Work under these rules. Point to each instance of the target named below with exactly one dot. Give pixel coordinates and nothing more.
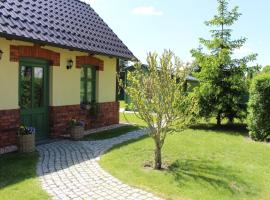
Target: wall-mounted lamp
(1, 54)
(69, 64)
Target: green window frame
(88, 84)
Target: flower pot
(77, 132)
(27, 143)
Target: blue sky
(154, 25)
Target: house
(57, 56)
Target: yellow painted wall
(8, 79)
(64, 84)
(106, 87)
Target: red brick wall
(60, 115)
(34, 52)
(89, 60)
(9, 123)
(108, 114)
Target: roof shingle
(67, 23)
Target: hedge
(259, 108)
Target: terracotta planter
(27, 143)
(77, 132)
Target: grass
(203, 162)
(18, 179)
(111, 133)
(130, 118)
(122, 104)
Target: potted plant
(76, 129)
(26, 137)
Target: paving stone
(70, 170)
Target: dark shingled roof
(69, 24)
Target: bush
(259, 108)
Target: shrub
(259, 108)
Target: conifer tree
(222, 77)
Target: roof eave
(40, 42)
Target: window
(88, 84)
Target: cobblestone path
(70, 170)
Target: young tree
(222, 77)
(159, 98)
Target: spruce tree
(222, 77)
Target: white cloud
(147, 10)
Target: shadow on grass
(16, 167)
(208, 173)
(232, 129)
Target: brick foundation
(9, 123)
(108, 114)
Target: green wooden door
(33, 93)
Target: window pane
(87, 85)
(38, 84)
(89, 73)
(26, 76)
(89, 92)
(82, 73)
(82, 91)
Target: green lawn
(131, 119)
(111, 133)
(18, 180)
(203, 163)
(122, 104)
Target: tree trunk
(231, 120)
(219, 119)
(158, 161)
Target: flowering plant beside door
(23, 130)
(75, 122)
(26, 139)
